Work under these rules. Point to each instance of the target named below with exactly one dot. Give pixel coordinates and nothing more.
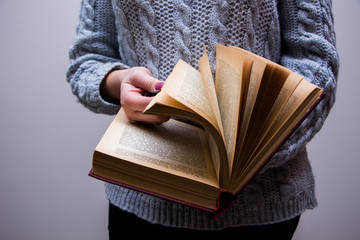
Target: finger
(134, 104)
(132, 97)
(140, 117)
(143, 79)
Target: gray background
(46, 138)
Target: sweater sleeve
(308, 47)
(94, 54)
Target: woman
(124, 48)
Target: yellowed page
(256, 73)
(184, 95)
(186, 86)
(297, 106)
(173, 147)
(207, 77)
(286, 92)
(229, 71)
(215, 155)
(303, 90)
(163, 98)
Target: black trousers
(124, 225)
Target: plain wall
(47, 138)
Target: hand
(129, 86)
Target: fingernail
(159, 85)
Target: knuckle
(149, 84)
(141, 78)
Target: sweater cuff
(101, 104)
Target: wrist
(110, 86)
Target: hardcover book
(221, 133)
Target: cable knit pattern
(182, 30)
(116, 34)
(309, 49)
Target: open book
(241, 121)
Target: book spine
(224, 202)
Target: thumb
(159, 85)
(142, 78)
(153, 85)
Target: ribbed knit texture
(155, 34)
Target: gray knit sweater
(117, 34)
